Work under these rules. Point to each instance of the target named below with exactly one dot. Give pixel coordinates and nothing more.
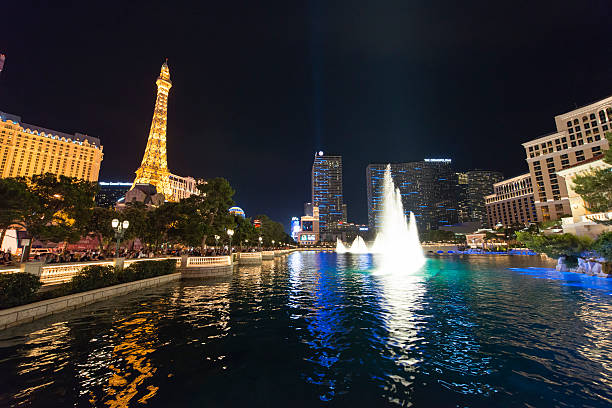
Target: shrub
(567, 245)
(603, 245)
(93, 277)
(147, 269)
(18, 288)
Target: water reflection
(315, 328)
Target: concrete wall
(27, 313)
(206, 271)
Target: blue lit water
(321, 329)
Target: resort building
(428, 189)
(26, 150)
(183, 187)
(512, 202)
(582, 220)
(579, 137)
(327, 191)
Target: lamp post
(230, 232)
(246, 241)
(217, 243)
(272, 244)
(260, 239)
(119, 228)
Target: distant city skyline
(254, 97)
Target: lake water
(320, 329)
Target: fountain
(398, 239)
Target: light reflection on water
(330, 328)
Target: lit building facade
(327, 190)
(183, 187)
(26, 150)
(110, 193)
(512, 202)
(309, 228)
(428, 189)
(579, 137)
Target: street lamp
(272, 244)
(230, 232)
(246, 241)
(119, 228)
(217, 240)
(260, 239)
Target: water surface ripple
(324, 329)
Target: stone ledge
(26, 313)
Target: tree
(100, 224)
(49, 207)
(595, 188)
(15, 200)
(272, 230)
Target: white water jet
(340, 248)
(398, 239)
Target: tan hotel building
(512, 203)
(26, 150)
(579, 137)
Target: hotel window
(593, 124)
(572, 137)
(595, 130)
(549, 143)
(531, 148)
(543, 145)
(576, 121)
(602, 116)
(584, 118)
(580, 142)
(569, 123)
(597, 137)
(565, 145)
(589, 140)
(587, 126)
(588, 132)
(596, 149)
(577, 128)
(592, 116)
(573, 144)
(557, 141)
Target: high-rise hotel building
(579, 137)
(26, 150)
(428, 189)
(327, 191)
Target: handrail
(208, 260)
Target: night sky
(259, 86)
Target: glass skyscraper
(327, 191)
(428, 189)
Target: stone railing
(249, 255)
(51, 274)
(602, 216)
(208, 260)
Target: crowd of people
(67, 256)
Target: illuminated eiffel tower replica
(154, 167)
